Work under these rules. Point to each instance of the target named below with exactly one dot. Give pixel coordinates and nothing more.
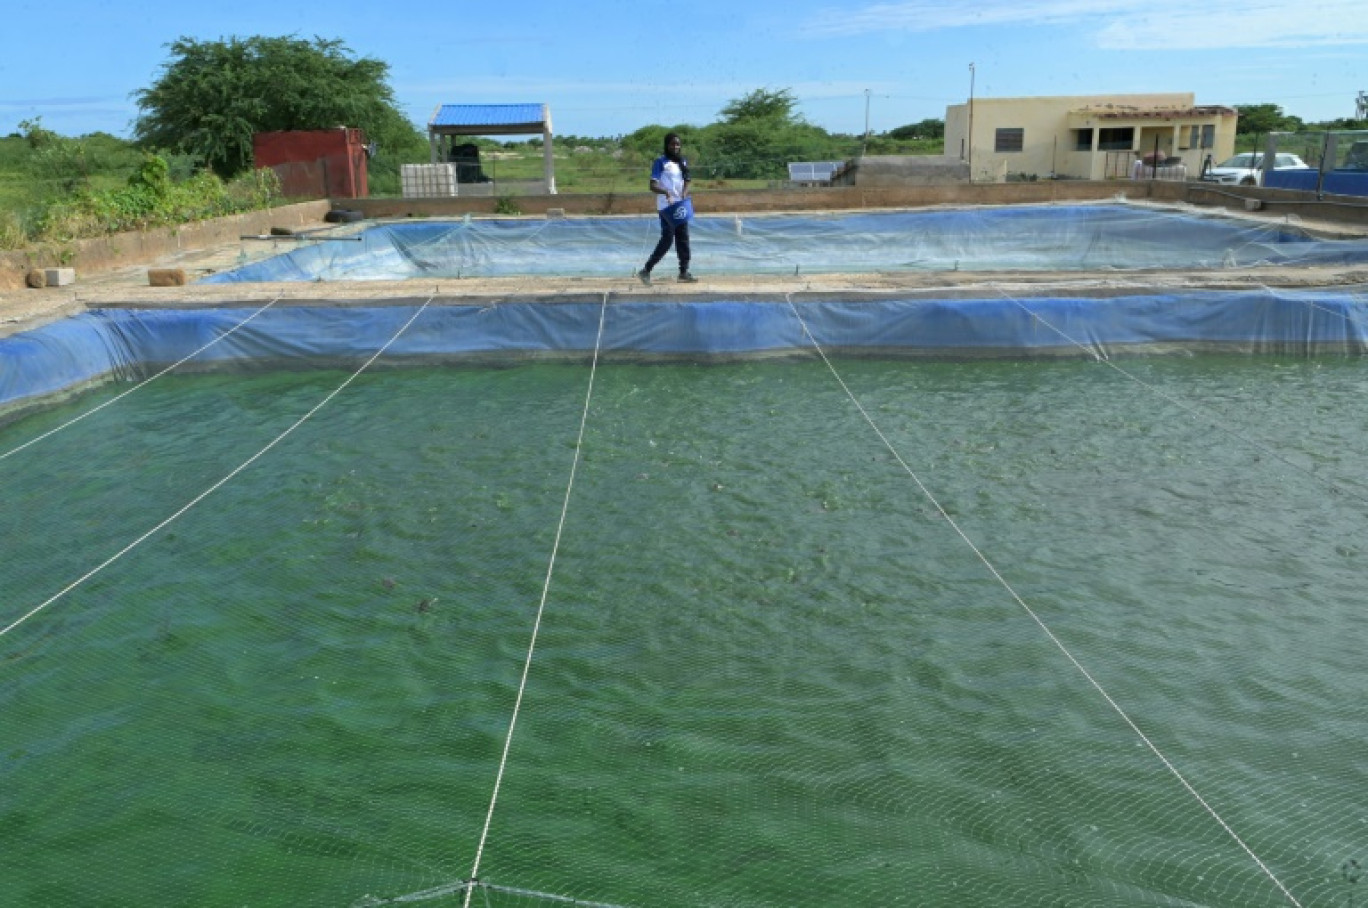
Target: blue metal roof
(491, 115)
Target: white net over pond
(776, 632)
(1030, 238)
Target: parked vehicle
(1247, 169)
(1357, 157)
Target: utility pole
(970, 160)
(865, 144)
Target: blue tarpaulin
(116, 342)
(1021, 238)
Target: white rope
(541, 608)
(1194, 412)
(547, 896)
(438, 892)
(1125, 717)
(216, 486)
(649, 246)
(141, 384)
(1351, 318)
(468, 886)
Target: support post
(548, 162)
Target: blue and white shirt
(670, 176)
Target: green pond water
(769, 671)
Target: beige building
(1088, 137)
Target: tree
(648, 141)
(926, 129)
(762, 105)
(758, 134)
(1345, 124)
(214, 95)
(1258, 119)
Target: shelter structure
(450, 121)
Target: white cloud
(923, 16)
(1118, 25)
(1257, 25)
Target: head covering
(678, 158)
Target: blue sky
(607, 67)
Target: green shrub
(148, 198)
(12, 233)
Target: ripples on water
(770, 672)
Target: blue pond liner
(1017, 238)
(128, 342)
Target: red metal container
(316, 163)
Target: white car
(1247, 169)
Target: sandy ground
(24, 309)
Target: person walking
(670, 183)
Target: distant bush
(925, 129)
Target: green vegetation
(215, 95)
(759, 133)
(55, 189)
(192, 154)
(1258, 120)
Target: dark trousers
(672, 233)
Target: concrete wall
(1349, 211)
(876, 171)
(709, 201)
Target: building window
(1009, 140)
(1209, 135)
(1115, 139)
(1082, 140)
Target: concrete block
(60, 277)
(166, 277)
(555, 213)
(1253, 204)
